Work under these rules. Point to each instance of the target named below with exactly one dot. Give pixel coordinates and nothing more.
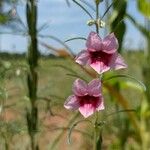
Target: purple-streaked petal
(94, 42)
(117, 62)
(94, 88)
(71, 103)
(83, 58)
(80, 87)
(110, 44)
(87, 110)
(99, 67)
(101, 104)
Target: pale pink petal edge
(79, 87)
(71, 103)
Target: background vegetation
(31, 111)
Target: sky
(65, 22)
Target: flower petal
(117, 62)
(71, 103)
(110, 44)
(94, 42)
(101, 104)
(94, 88)
(80, 88)
(99, 67)
(87, 110)
(83, 58)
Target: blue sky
(65, 22)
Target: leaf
(119, 11)
(144, 7)
(44, 26)
(83, 8)
(125, 104)
(73, 126)
(131, 84)
(59, 41)
(120, 111)
(128, 77)
(66, 68)
(108, 9)
(58, 52)
(57, 139)
(75, 130)
(88, 4)
(141, 28)
(75, 38)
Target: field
(54, 86)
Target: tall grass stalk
(32, 77)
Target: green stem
(6, 145)
(97, 17)
(32, 116)
(97, 142)
(97, 134)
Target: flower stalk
(96, 130)
(32, 77)
(101, 55)
(97, 17)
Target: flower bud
(101, 23)
(91, 22)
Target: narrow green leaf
(57, 139)
(59, 41)
(73, 126)
(44, 26)
(108, 9)
(66, 68)
(144, 7)
(120, 111)
(141, 28)
(88, 4)
(125, 76)
(84, 9)
(75, 38)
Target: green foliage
(52, 79)
(117, 22)
(144, 7)
(3, 18)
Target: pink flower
(100, 54)
(87, 97)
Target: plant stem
(97, 140)
(95, 132)
(97, 18)
(32, 115)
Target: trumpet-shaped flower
(86, 98)
(101, 54)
